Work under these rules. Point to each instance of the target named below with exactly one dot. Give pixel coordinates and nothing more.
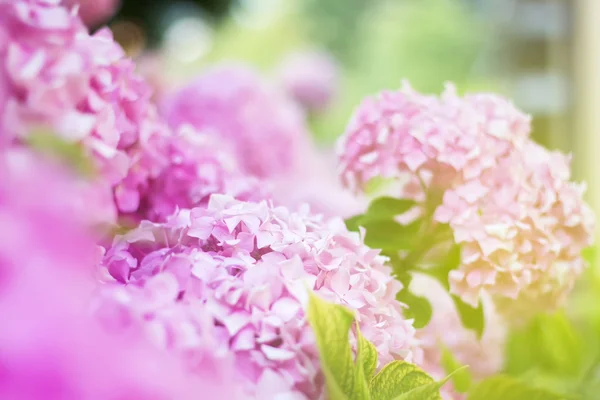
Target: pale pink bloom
(251, 265)
(522, 228)
(484, 356)
(519, 221)
(435, 142)
(233, 103)
(311, 78)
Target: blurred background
(543, 54)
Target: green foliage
(397, 378)
(419, 308)
(386, 207)
(367, 355)
(383, 232)
(461, 378)
(549, 343)
(349, 379)
(331, 324)
(52, 145)
(471, 317)
(504, 387)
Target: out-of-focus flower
(484, 356)
(252, 265)
(79, 86)
(317, 185)
(522, 228)
(95, 12)
(51, 346)
(311, 78)
(233, 102)
(83, 89)
(153, 67)
(194, 166)
(521, 224)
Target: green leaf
(353, 223)
(378, 184)
(387, 208)
(461, 377)
(397, 378)
(441, 271)
(550, 343)
(430, 391)
(390, 235)
(502, 387)
(471, 317)
(331, 324)
(418, 309)
(70, 153)
(366, 356)
(366, 363)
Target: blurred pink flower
(81, 88)
(317, 185)
(51, 346)
(234, 103)
(310, 77)
(251, 265)
(95, 12)
(484, 356)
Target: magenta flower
(233, 103)
(251, 265)
(51, 346)
(311, 78)
(55, 76)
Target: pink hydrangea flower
(484, 356)
(266, 130)
(181, 169)
(310, 77)
(83, 89)
(51, 346)
(522, 228)
(521, 224)
(436, 142)
(251, 265)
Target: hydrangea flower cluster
(436, 142)
(522, 229)
(251, 266)
(51, 347)
(469, 162)
(233, 102)
(311, 78)
(81, 87)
